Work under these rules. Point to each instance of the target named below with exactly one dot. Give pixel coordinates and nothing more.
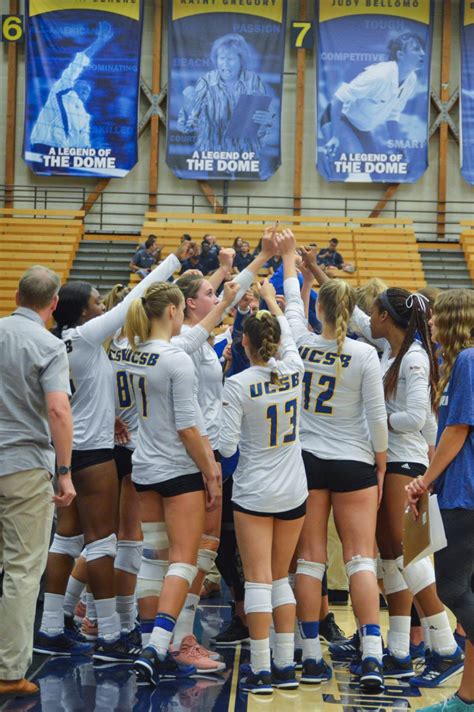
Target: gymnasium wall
(276, 194)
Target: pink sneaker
(89, 629)
(191, 653)
(210, 653)
(80, 612)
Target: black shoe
(315, 672)
(284, 678)
(372, 674)
(134, 637)
(329, 631)
(61, 644)
(338, 597)
(149, 669)
(115, 651)
(72, 630)
(236, 632)
(258, 683)
(397, 668)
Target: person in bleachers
(243, 256)
(329, 259)
(209, 257)
(144, 258)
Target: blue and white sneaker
(439, 669)
(115, 651)
(149, 669)
(298, 658)
(397, 668)
(355, 667)
(452, 704)
(73, 630)
(257, 683)
(347, 649)
(371, 676)
(134, 637)
(284, 678)
(315, 672)
(60, 644)
(417, 652)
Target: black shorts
(338, 475)
(123, 461)
(88, 458)
(217, 455)
(410, 469)
(290, 514)
(175, 486)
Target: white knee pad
(101, 548)
(258, 598)
(393, 581)
(150, 577)
(282, 593)
(310, 568)
(129, 556)
(418, 575)
(185, 571)
(360, 563)
(155, 535)
(205, 560)
(68, 545)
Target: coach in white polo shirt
(34, 410)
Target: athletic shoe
(371, 674)
(80, 612)
(212, 654)
(259, 683)
(73, 630)
(134, 637)
(439, 668)
(355, 667)
(298, 658)
(329, 631)
(452, 704)
(149, 669)
(116, 651)
(89, 629)
(191, 653)
(284, 678)
(60, 644)
(315, 671)
(347, 650)
(235, 633)
(417, 652)
(460, 640)
(397, 668)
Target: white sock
(398, 639)
(310, 642)
(160, 640)
(284, 649)
(91, 612)
(442, 638)
(185, 621)
(126, 609)
(52, 622)
(108, 619)
(73, 594)
(426, 633)
(260, 655)
(371, 642)
(298, 637)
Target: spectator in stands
(209, 257)
(212, 240)
(329, 256)
(194, 261)
(186, 237)
(144, 259)
(243, 257)
(237, 244)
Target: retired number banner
(225, 74)
(467, 90)
(373, 89)
(82, 84)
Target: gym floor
(77, 686)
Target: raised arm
(247, 276)
(294, 310)
(287, 351)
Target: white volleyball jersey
(91, 373)
(343, 408)
(408, 408)
(262, 419)
(161, 378)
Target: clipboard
(241, 125)
(425, 535)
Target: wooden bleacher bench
(467, 244)
(31, 236)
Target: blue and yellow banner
(225, 76)
(373, 89)
(82, 86)
(467, 91)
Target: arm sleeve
(231, 419)
(97, 330)
(54, 374)
(288, 351)
(191, 340)
(294, 310)
(461, 388)
(413, 418)
(360, 324)
(374, 402)
(244, 279)
(182, 386)
(430, 429)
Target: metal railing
(122, 212)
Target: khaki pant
(26, 515)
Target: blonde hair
(264, 334)
(151, 306)
(454, 314)
(431, 293)
(338, 299)
(115, 296)
(368, 293)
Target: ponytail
(151, 306)
(338, 299)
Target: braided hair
(264, 334)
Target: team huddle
(343, 420)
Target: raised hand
(267, 291)
(286, 243)
(230, 292)
(226, 258)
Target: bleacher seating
(467, 243)
(30, 236)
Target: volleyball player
(83, 327)
(342, 382)
(452, 473)
(261, 416)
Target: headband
(385, 302)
